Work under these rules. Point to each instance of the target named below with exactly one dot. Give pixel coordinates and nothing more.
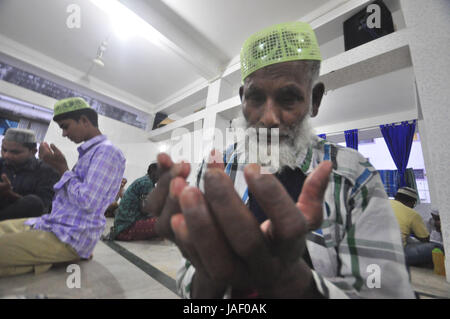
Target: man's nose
(270, 117)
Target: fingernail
(176, 187)
(253, 170)
(189, 197)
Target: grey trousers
(27, 206)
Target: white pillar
(428, 23)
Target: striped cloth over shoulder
(357, 252)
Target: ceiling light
(163, 147)
(99, 62)
(126, 23)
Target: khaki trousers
(24, 250)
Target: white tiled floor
(109, 275)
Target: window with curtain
(399, 138)
(351, 139)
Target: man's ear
(317, 95)
(84, 120)
(241, 91)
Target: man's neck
(91, 134)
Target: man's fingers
(157, 198)
(310, 201)
(240, 227)
(275, 202)
(6, 179)
(215, 160)
(164, 162)
(171, 207)
(182, 240)
(55, 149)
(287, 226)
(44, 150)
(216, 255)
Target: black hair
(90, 114)
(152, 172)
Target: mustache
(273, 132)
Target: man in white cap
(418, 248)
(320, 227)
(26, 183)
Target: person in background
(130, 222)
(110, 211)
(415, 236)
(73, 227)
(318, 227)
(26, 183)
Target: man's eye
(288, 99)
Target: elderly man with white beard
(320, 227)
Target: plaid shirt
(82, 195)
(359, 240)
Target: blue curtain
(324, 136)
(391, 181)
(351, 139)
(399, 141)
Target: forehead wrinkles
(295, 70)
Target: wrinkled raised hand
(221, 238)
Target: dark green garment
(129, 210)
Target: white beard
(298, 138)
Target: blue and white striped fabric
(359, 233)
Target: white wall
(429, 46)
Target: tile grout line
(153, 272)
(169, 282)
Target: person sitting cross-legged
(415, 235)
(130, 222)
(26, 183)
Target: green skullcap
(279, 43)
(69, 105)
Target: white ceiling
(202, 38)
(205, 36)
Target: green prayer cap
(69, 105)
(279, 43)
